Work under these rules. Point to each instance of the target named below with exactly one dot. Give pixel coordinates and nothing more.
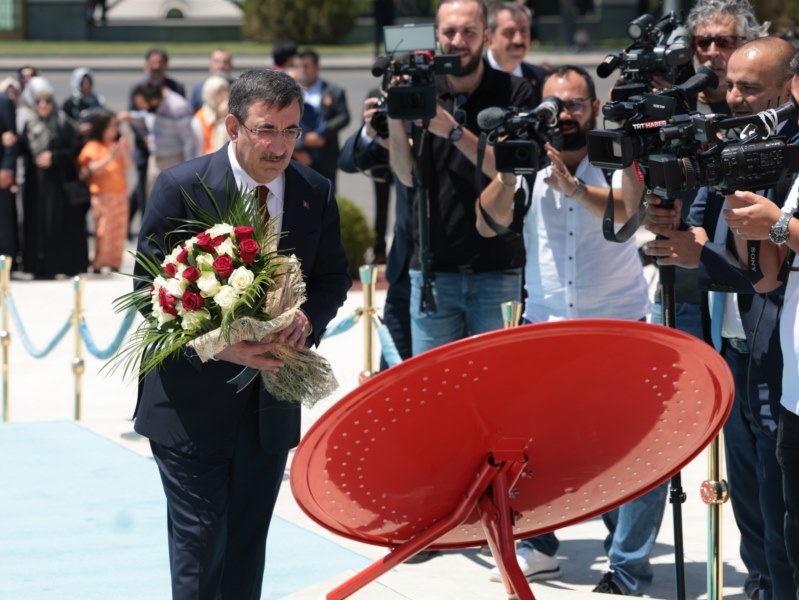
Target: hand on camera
(751, 216)
(678, 248)
(659, 219)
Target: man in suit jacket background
(330, 100)
(509, 24)
(221, 454)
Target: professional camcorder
(521, 149)
(660, 48)
(643, 117)
(697, 154)
(379, 120)
(412, 61)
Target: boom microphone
(490, 118)
(608, 65)
(380, 66)
(704, 78)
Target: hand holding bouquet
(224, 282)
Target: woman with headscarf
(105, 160)
(208, 123)
(54, 229)
(83, 102)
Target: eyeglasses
(575, 105)
(44, 100)
(268, 134)
(723, 42)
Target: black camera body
(521, 149)
(416, 97)
(661, 47)
(379, 120)
(700, 156)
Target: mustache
(271, 156)
(569, 123)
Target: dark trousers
(397, 316)
(9, 226)
(755, 480)
(382, 199)
(788, 456)
(218, 511)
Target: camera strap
(504, 233)
(629, 228)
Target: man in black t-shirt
(472, 275)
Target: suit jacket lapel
(295, 202)
(218, 177)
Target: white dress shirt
(277, 187)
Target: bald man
(744, 328)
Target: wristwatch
(455, 134)
(578, 190)
(778, 233)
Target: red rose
(192, 301)
(191, 274)
(183, 256)
(243, 232)
(217, 240)
(223, 265)
(204, 242)
(248, 250)
(167, 302)
(170, 269)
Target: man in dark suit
(331, 101)
(744, 327)
(221, 454)
(509, 24)
(9, 232)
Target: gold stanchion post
(368, 276)
(714, 493)
(78, 366)
(5, 333)
(511, 312)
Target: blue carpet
(82, 517)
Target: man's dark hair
(312, 54)
(149, 91)
(283, 51)
(273, 88)
(516, 10)
(564, 70)
(160, 51)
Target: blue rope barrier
(108, 352)
(29, 347)
(389, 348)
(343, 324)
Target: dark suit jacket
(9, 233)
(535, 75)
(337, 117)
(760, 313)
(188, 405)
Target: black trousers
(9, 226)
(218, 511)
(788, 456)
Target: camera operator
(743, 326)
(573, 273)
(718, 27)
(472, 275)
(509, 24)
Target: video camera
(699, 155)
(526, 133)
(412, 59)
(661, 47)
(643, 117)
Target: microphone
(549, 108)
(490, 118)
(380, 66)
(608, 65)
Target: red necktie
(263, 193)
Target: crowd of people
(72, 169)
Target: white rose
(194, 318)
(226, 297)
(161, 316)
(225, 247)
(158, 283)
(176, 287)
(205, 261)
(173, 256)
(241, 279)
(220, 229)
(208, 284)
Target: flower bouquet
(224, 282)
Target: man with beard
(471, 275)
(572, 272)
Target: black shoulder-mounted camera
(412, 59)
(661, 47)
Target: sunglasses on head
(723, 42)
